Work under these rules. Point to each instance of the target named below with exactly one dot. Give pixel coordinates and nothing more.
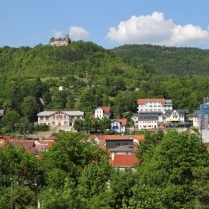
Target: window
(41, 118)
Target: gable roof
(124, 160)
(123, 121)
(143, 101)
(106, 109)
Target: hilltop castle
(60, 41)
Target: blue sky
(108, 23)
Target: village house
(122, 148)
(59, 118)
(101, 112)
(118, 125)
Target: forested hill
(171, 60)
(79, 58)
(93, 76)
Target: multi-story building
(151, 111)
(154, 105)
(59, 118)
(204, 114)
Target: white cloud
(78, 33)
(154, 29)
(57, 34)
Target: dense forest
(169, 60)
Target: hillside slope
(169, 60)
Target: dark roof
(179, 111)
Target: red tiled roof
(124, 160)
(143, 101)
(123, 121)
(106, 109)
(7, 138)
(138, 137)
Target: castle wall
(59, 43)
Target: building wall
(99, 113)
(155, 107)
(204, 116)
(58, 120)
(111, 144)
(117, 127)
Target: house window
(41, 118)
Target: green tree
(169, 170)
(78, 124)
(30, 108)
(10, 120)
(201, 185)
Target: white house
(101, 112)
(118, 125)
(59, 118)
(61, 88)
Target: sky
(107, 23)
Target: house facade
(101, 112)
(118, 125)
(155, 112)
(154, 105)
(196, 119)
(59, 118)
(148, 120)
(176, 116)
